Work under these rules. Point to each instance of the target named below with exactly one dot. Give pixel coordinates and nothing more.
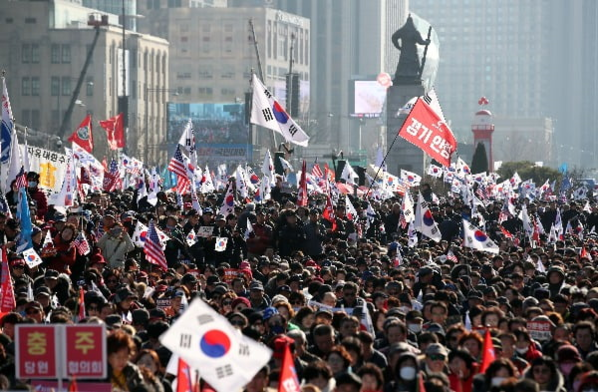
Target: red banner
(83, 135)
(7, 302)
(115, 131)
(425, 129)
(36, 352)
(86, 351)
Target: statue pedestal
(403, 154)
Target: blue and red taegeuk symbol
(254, 178)
(279, 113)
(215, 343)
(410, 178)
(230, 200)
(31, 258)
(480, 236)
(143, 235)
(428, 218)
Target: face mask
(32, 184)
(408, 373)
(496, 381)
(522, 350)
(415, 328)
(169, 227)
(566, 368)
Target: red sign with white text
(85, 351)
(36, 352)
(426, 130)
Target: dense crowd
(298, 279)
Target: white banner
(50, 165)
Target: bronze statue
(409, 69)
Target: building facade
(43, 63)
(213, 54)
(534, 60)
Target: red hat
(98, 259)
(240, 300)
(16, 262)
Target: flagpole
(382, 164)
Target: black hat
(123, 294)
(51, 274)
(425, 271)
(188, 278)
(43, 290)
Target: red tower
(482, 129)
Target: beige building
(43, 47)
(523, 139)
(212, 52)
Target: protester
(363, 303)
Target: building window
(25, 86)
(55, 119)
(26, 53)
(35, 54)
(35, 86)
(9, 20)
(35, 119)
(228, 72)
(55, 86)
(187, 90)
(206, 73)
(25, 117)
(66, 86)
(66, 54)
(30, 20)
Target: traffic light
(293, 94)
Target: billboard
(220, 130)
(367, 98)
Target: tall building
(350, 39)
(213, 53)
(43, 48)
(574, 80)
(535, 61)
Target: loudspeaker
(360, 170)
(248, 102)
(293, 95)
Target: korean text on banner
(425, 129)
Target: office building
(43, 48)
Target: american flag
(153, 248)
(177, 163)
(178, 166)
(316, 171)
(21, 179)
(81, 244)
(112, 179)
(451, 256)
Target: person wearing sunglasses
(238, 320)
(436, 359)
